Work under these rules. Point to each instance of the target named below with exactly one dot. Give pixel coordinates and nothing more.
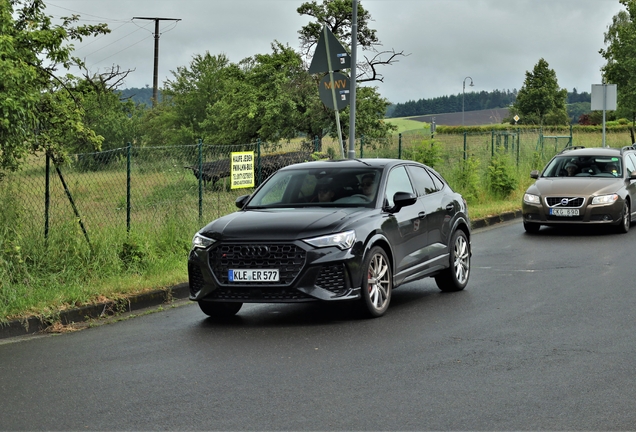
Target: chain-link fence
(149, 189)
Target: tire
(377, 283)
(220, 310)
(626, 219)
(531, 228)
(455, 277)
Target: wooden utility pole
(156, 69)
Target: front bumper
(588, 214)
(306, 273)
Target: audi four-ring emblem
(250, 251)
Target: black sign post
(331, 56)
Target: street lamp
(464, 94)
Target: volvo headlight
(343, 240)
(531, 199)
(605, 199)
(201, 242)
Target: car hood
(576, 186)
(281, 224)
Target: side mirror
(534, 174)
(240, 201)
(402, 199)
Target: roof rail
(568, 148)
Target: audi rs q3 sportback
(583, 186)
(342, 230)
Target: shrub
(501, 178)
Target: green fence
(149, 189)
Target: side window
(630, 163)
(439, 184)
(398, 181)
(422, 181)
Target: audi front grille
(289, 259)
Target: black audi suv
(341, 230)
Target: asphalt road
(544, 337)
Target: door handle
(421, 215)
(450, 207)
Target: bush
(428, 152)
(501, 178)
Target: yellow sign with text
(242, 170)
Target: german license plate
(253, 275)
(564, 212)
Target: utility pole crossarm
(156, 65)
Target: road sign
(338, 57)
(340, 85)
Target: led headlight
(531, 199)
(201, 242)
(343, 240)
(605, 199)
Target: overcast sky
(494, 42)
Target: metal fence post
(128, 175)
(47, 196)
(492, 143)
(361, 146)
(200, 146)
(400, 146)
(465, 148)
(258, 161)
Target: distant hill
(471, 118)
(139, 95)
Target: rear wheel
(377, 282)
(220, 310)
(531, 228)
(626, 219)
(455, 277)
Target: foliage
(620, 55)
(540, 101)
(501, 177)
(466, 179)
(472, 101)
(337, 16)
(38, 109)
(428, 152)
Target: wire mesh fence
(149, 189)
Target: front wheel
(219, 309)
(455, 277)
(626, 219)
(377, 282)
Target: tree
(337, 16)
(620, 55)
(540, 101)
(38, 108)
(268, 99)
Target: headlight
(531, 199)
(605, 199)
(202, 242)
(343, 240)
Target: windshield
(584, 166)
(332, 187)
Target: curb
(34, 325)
